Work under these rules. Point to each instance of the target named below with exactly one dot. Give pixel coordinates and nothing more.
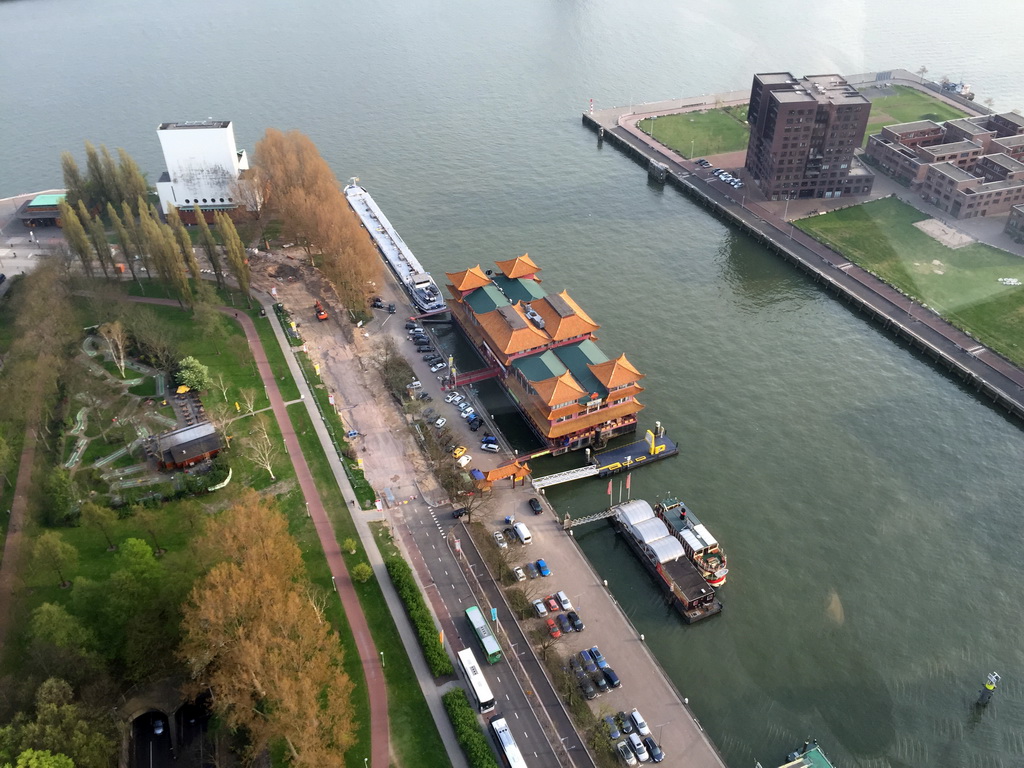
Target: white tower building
(203, 164)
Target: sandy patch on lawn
(949, 237)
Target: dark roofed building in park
(185, 447)
(803, 134)
(542, 347)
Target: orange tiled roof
(468, 279)
(508, 470)
(615, 373)
(521, 266)
(560, 389)
(563, 318)
(511, 337)
(563, 428)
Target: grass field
(962, 285)
(696, 134)
(906, 105)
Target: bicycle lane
(379, 727)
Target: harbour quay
(985, 371)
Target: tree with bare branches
(117, 338)
(260, 448)
(249, 395)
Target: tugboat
(701, 547)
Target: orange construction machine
(321, 313)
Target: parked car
(464, 461)
(392, 309)
(564, 600)
(535, 505)
(377, 303)
(625, 723)
(553, 629)
(586, 686)
(613, 727)
(531, 570)
(563, 624)
(611, 677)
(638, 748)
(409, 325)
(599, 682)
(542, 567)
(519, 573)
(459, 451)
(489, 438)
(461, 511)
(468, 413)
(552, 604)
(415, 385)
(598, 657)
(450, 397)
(625, 753)
(413, 328)
(427, 358)
(638, 720)
(574, 665)
(500, 540)
(425, 396)
(458, 398)
(490, 448)
(440, 422)
(465, 407)
(438, 366)
(474, 424)
(424, 349)
(540, 609)
(586, 660)
(656, 752)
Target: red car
(553, 628)
(553, 605)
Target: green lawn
(962, 284)
(695, 134)
(414, 736)
(906, 105)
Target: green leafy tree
(188, 254)
(235, 253)
(124, 239)
(52, 552)
(100, 186)
(209, 244)
(350, 545)
(131, 224)
(98, 238)
(192, 374)
(42, 758)
(362, 572)
(60, 645)
(74, 234)
(103, 519)
(59, 493)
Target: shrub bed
(467, 729)
(426, 630)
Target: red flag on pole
(628, 478)
(609, 487)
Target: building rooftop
(776, 78)
(468, 279)
(1009, 141)
(192, 124)
(953, 172)
(45, 201)
(519, 289)
(521, 266)
(953, 146)
(1012, 117)
(969, 126)
(1004, 161)
(486, 299)
(914, 127)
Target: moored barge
(410, 273)
(701, 547)
(662, 554)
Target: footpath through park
(371, 662)
(15, 524)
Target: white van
(523, 533)
(464, 461)
(414, 385)
(639, 748)
(564, 601)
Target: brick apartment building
(968, 167)
(803, 134)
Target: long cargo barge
(396, 254)
(663, 556)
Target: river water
(869, 504)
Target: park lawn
(414, 736)
(146, 389)
(962, 285)
(696, 134)
(907, 105)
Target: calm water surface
(869, 504)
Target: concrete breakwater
(983, 369)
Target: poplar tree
(73, 181)
(75, 235)
(132, 224)
(210, 246)
(111, 178)
(235, 253)
(176, 267)
(97, 237)
(188, 253)
(132, 184)
(123, 238)
(154, 245)
(97, 183)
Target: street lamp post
(382, 659)
(691, 148)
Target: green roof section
(485, 299)
(520, 289)
(576, 358)
(540, 367)
(48, 201)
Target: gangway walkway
(564, 477)
(569, 522)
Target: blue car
(542, 566)
(598, 657)
(563, 623)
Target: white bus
(507, 748)
(482, 696)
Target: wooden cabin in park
(543, 348)
(185, 447)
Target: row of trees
(293, 180)
(105, 180)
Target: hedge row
(430, 641)
(467, 729)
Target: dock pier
(984, 370)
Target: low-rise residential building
(995, 187)
(543, 350)
(1015, 223)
